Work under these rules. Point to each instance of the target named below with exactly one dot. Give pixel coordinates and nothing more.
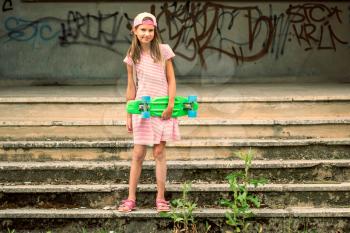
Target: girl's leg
(161, 168)
(138, 156)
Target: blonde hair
(135, 48)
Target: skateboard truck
(189, 106)
(144, 107)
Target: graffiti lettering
(7, 5)
(101, 30)
(312, 25)
(24, 30)
(196, 29)
(209, 26)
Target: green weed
(241, 201)
(182, 212)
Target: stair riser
(317, 174)
(187, 131)
(236, 110)
(160, 225)
(275, 200)
(176, 153)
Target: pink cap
(139, 19)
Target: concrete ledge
(86, 188)
(221, 92)
(182, 165)
(221, 142)
(184, 122)
(149, 213)
(121, 100)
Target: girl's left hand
(167, 113)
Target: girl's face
(144, 33)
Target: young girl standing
(155, 77)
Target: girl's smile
(145, 33)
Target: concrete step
(249, 92)
(98, 113)
(333, 128)
(205, 195)
(323, 220)
(45, 113)
(190, 149)
(211, 171)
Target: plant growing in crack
(241, 202)
(182, 212)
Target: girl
(155, 77)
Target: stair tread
(172, 164)
(222, 142)
(219, 92)
(152, 213)
(196, 187)
(183, 122)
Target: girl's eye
(145, 30)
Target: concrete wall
(85, 42)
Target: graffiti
(312, 25)
(7, 5)
(196, 29)
(207, 26)
(93, 30)
(22, 30)
(281, 32)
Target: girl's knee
(139, 154)
(138, 157)
(159, 152)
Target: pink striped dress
(152, 81)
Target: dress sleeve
(167, 52)
(128, 60)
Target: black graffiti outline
(72, 30)
(7, 8)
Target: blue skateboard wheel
(192, 98)
(146, 115)
(192, 113)
(146, 99)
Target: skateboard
(148, 107)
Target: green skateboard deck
(155, 107)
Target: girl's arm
(170, 74)
(130, 95)
(131, 89)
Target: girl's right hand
(129, 123)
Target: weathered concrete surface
(205, 195)
(212, 171)
(255, 129)
(253, 92)
(258, 42)
(323, 220)
(185, 150)
(22, 114)
(279, 111)
(294, 181)
(150, 213)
